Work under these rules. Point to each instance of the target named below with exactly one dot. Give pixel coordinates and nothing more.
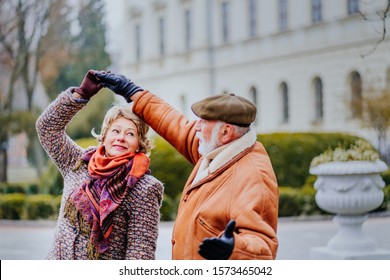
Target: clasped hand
(119, 84)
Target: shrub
(291, 153)
(39, 207)
(7, 188)
(12, 206)
(290, 202)
(169, 166)
(385, 205)
(169, 207)
(51, 181)
(386, 177)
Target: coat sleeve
(170, 124)
(254, 206)
(255, 237)
(51, 126)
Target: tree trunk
(3, 164)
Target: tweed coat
(235, 181)
(135, 223)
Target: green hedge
(40, 207)
(18, 206)
(291, 153)
(292, 202)
(169, 167)
(27, 188)
(12, 206)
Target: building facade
(303, 62)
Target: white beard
(206, 147)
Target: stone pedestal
(350, 243)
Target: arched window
(356, 94)
(254, 97)
(319, 99)
(285, 102)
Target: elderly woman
(110, 202)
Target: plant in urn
(349, 184)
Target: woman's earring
(137, 151)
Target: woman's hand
(89, 86)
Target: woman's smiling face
(122, 137)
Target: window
(252, 6)
(183, 103)
(188, 29)
(162, 36)
(254, 97)
(283, 15)
(225, 22)
(353, 7)
(138, 42)
(285, 105)
(356, 94)
(319, 99)
(316, 11)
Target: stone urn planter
(349, 189)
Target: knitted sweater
(135, 223)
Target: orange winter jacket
(240, 184)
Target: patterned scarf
(110, 180)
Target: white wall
(331, 50)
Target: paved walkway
(29, 240)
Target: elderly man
(229, 205)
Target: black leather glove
(89, 86)
(219, 248)
(119, 84)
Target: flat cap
(229, 108)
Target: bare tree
(22, 26)
(376, 115)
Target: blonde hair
(124, 110)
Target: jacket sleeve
(173, 126)
(51, 126)
(254, 206)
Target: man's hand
(119, 84)
(89, 86)
(219, 248)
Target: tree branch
(383, 19)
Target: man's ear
(227, 134)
